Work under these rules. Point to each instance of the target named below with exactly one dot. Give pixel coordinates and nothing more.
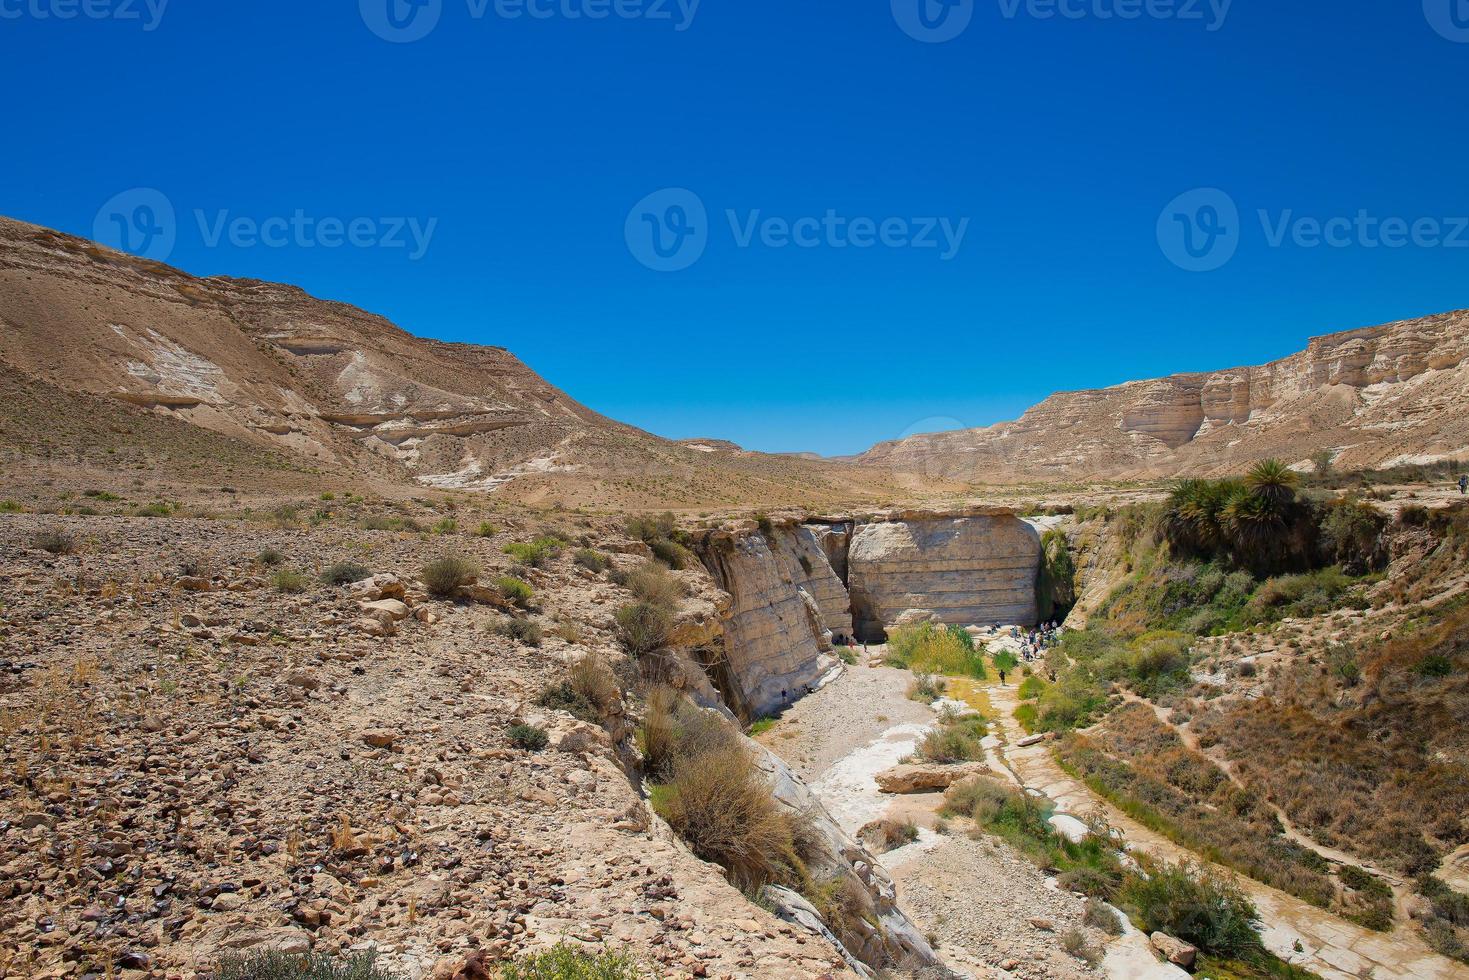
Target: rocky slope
(331, 387)
(1375, 396)
(199, 759)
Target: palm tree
(1256, 527)
(1274, 481)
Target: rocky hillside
(1377, 396)
(326, 386)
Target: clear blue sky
(530, 140)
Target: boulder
(1175, 951)
(379, 738)
(376, 627)
(385, 610)
(377, 587)
(927, 777)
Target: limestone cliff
(775, 642)
(1374, 396)
(967, 570)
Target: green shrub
(444, 576)
(594, 681)
(953, 743)
(536, 554)
(447, 525)
(1196, 905)
(289, 581)
(562, 962)
(528, 737)
(345, 573)
(155, 510)
(662, 536)
(592, 560)
(54, 541)
(515, 590)
(1056, 581)
(931, 648)
(563, 696)
(11, 507)
(269, 558)
(275, 965)
(486, 530)
(644, 626)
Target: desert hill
(312, 384)
(1375, 397)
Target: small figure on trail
(1463, 484)
(1002, 678)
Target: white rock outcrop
(978, 569)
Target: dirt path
(1331, 946)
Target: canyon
(799, 585)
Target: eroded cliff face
(799, 585)
(976, 569)
(777, 638)
(1373, 396)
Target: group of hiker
(1034, 643)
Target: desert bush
(1099, 915)
(1073, 940)
(289, 581)
(1351, 535)
(1413, 515)
(562, 962)
(275, 965)
(651, 582)
(444, 575)
(269, 558)
(930, 648)
(594, 681)
(345, 573)
(54, 541)
(720, 805)
(662, 536)
(591, 560)
(526, 631)
(1196, 905)
(926, 688)
(486, 530)
(957, 739)
(11, 507)
(515, 590)
(563, 696)
(537, 553)
(644, 626)
(447, 525)
(1371, 901)
(528, 737)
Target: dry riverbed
(976, 897)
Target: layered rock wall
(774, 641)
(969, 570)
